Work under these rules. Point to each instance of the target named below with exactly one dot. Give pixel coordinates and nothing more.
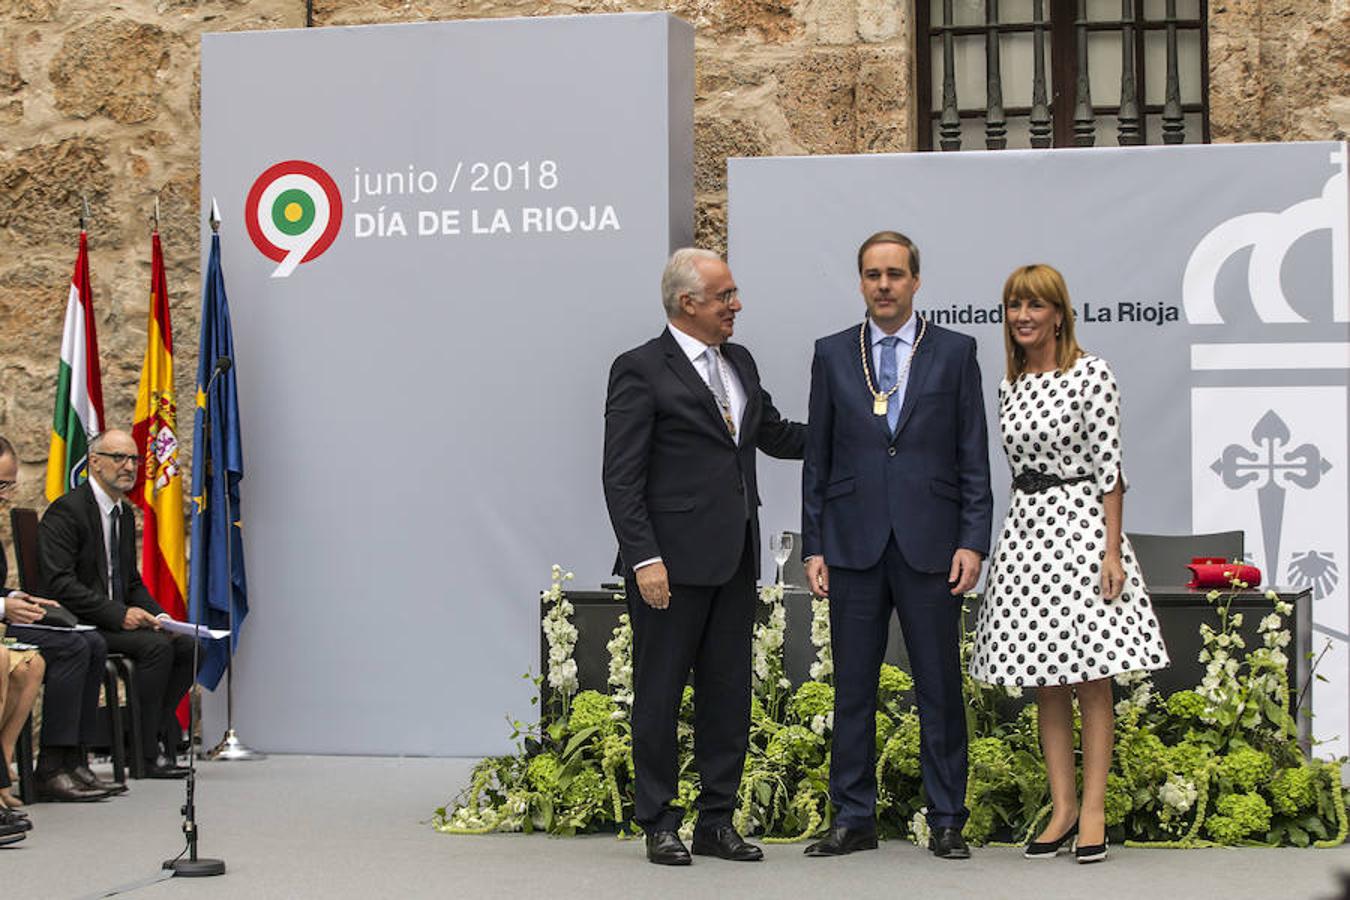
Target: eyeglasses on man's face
(119, 459)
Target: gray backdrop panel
(1123, 225)
(422, 415)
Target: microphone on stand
(195, 866)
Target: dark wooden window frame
(1062, 35)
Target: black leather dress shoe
(666, 849)
(62, 787)
(85, 776)
(946, 843)
(11, 835)
(14, 820)
(158, 770)
(725, 842)
(843, 840)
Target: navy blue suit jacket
(928, 483)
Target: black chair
(1163, 557)
(24, 522)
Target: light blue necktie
(889, 373)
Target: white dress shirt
(697, 351)
(105, 508)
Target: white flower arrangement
(823, 667)
(560, 634)
(621, 666)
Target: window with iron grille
(994, 74)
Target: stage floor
(349, 827)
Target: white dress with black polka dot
(1043, 619)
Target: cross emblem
(1240, 466)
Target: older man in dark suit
(71, 685)
(896, 514)
(87, 554)
(684, 416)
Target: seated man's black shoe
(62, 787)
(162, 771)
(843, 840)
(11, 835)
(666, 849)
(85, 776)
(725, 842)
(946, 843)
(11, 819)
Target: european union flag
(216, 569)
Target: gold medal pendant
(879, 404)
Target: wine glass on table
(780, 545)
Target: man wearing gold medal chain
(896, 511)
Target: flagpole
(230, 748)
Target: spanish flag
(159, 477)
(79, 386)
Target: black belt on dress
(1029, 482)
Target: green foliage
(813, 698)
(1246, 768)
(592, 709)
(1218, 762)
(1239, 816)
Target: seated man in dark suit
(72, 683)
(87, 553)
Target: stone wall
(100, 101)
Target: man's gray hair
(96, 441)
(682, 277)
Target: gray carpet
(344, 827)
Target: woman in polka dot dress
(1064, 607)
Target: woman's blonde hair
(1040, 282)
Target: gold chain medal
(882, 399)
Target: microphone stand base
(195, 868)
(231, 749)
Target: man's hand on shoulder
(965, 571)
(138, 618)
(654, 585)
(818, 576)
(21, 609)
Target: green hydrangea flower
(1185, 758)
(1239, 815)
(885, 725)
(1246, 768)
(587, 788)
(795, 743)
(1186, 705)
(813, 698)
(591, 709)
(980, 824)
(901, 752)
(542, 772)
(990, 761)
(757, 713)
(1294, 790)
(1118, 799)
(893, 681)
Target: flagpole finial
(155, 221)
(84, 213)
(214, 218)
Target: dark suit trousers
(708, 629)
(163, 675)
(861, 601)
(71, 687)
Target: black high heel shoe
(1089, 853)
(1049, 849)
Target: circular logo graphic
(293, 213)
